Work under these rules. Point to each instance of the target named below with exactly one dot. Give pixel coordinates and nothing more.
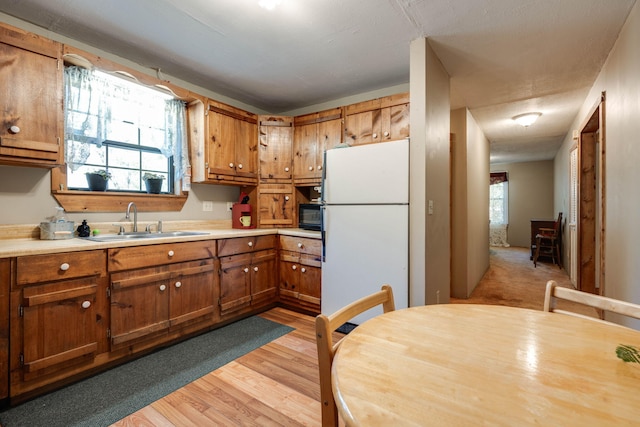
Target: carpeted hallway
(512, 280)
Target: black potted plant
(153, 182)
(98, 180)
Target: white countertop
(29, 246)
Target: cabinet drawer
(167, 253)
(301, 244)
(50, 267)
(239, 245)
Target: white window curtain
(498, 209)
(94, 101)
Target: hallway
(512, 280)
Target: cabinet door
(32, 112)
(362, 128)
(329, 135)
(59, 325)
(193, 292)
(276, 205)
(264, 285)
(276, 145)
(395, 122)
(235, 283)
(139, 304)
(305, 151)
(310, 286)
(246, 149)
(221, 156)
(289, 278)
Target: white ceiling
(505, 57)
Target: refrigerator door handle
(323, 210)
(324, 177)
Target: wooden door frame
(591, 192)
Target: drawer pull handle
(304, 270)
(171, 253)
(178, 284)
(255, 268)
(15, 129)
(163, 287)
(300, 245)
(64, 266)
(294, 267)
(250, 244)
(246, 269)
(86, 304)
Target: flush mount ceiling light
(269, 4)
(526, 119)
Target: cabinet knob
(300, 245)
(163, 287)
(239, 165)
(286, 198)
(310, 168)
(386, 134)
(304, 270)
(286, 169)
(250, 244)
(64, 266)
(231, 164)
(171, 253)
(15, 129)
(320, 167)
(294, 267)
(375, 135)
(255, 268)
(178, 284)
(246, 269)
(86, 304)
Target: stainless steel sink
(143, 235)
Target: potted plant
(153, 182)
(98, 180)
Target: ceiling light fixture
(526, 119)
(269, 4)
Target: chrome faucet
(135, 215)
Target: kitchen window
(123, 127)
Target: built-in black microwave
(310, 216)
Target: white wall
(620, 79)
(470, 204)
(531, 190)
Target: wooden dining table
(485, 365)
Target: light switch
(430, 207)
(207, 206)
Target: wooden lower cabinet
(57, 326)
(300, 273)
(248, 280)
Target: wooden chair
(599, 302)
(548, 242)
(325, 326)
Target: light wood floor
(277, 384)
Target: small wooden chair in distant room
(548, 243)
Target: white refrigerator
(365, 224)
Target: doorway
(590, 232)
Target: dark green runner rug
(107, 397)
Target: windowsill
(104, 201)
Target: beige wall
(469, 204)
(429, 240)
(620, 79)
(531, 191)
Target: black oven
(310, 216)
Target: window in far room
(498, 208)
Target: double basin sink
(141, 235)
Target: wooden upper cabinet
(377, 120)
(224, 144)
(314, 133)
(276, 140)
(32, 102)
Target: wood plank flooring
(274, 385)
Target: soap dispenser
(83, 229)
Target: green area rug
(112, 395)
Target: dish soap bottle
(83, 229)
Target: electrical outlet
(229, 206)
(207, 206)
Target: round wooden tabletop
(466, 364)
